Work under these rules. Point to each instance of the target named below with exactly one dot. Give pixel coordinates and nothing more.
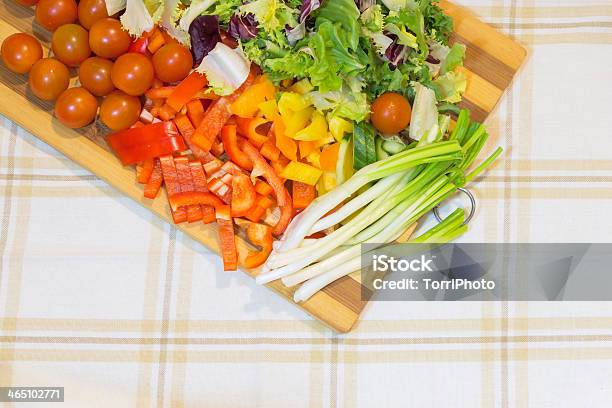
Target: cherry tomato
(48, 79)
(95, 76)
(76, 107)
(53, 13)
(20, 51)
(27, 3)
(133, 73)
(120, 110)
(70, 44)
(172, 62)
(391, 113)
(91, 11)
(108, 39)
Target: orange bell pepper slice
(253, 131)
(186, 90)
(283, 199)
(303, 195)
(195, 112)
(263, 188)
(329, 157)
(286, 145)
(225, 229)
(260, 235)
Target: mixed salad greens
(361, 97)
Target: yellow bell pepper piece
(314, 158)
(326, 183)
(297, 121)
(301, 172)
(302, 87)
(338, 127)
(315, 131)
(328, 139)
(246, 106)
(269, 109)
(290, 102)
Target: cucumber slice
(364, 145)
(381, 154)
(392, 147)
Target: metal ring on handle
(472, 210)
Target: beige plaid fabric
(102, 298)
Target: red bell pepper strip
(211, 167)
(183, 169)
(217, 116)
(179, 200)
(260, 235)
(140, 45)
(161, 92)
(303, 195)
(146, 142)
(186, 90)
(217, 148)
(184, 125)
(264, 202)
(230, 143)
(146, 151)
(195, 111)
(225, 229)
(144, 171)
(283, 199)
(255, 126)
(155, 181)
(269, 149)
(256, 213)
(243, 195)
(200, 185)
(173, 187)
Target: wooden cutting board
(491, 63)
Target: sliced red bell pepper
(184, 125)
(227, 179)
(269, 149)
(303, 195)
(194, 213)
(256, 213)
(217, 148)
(180, 200)
(211, 167)
(243, 195)
(283, 199)
(166, 112)
(225, 227)
(144, 171)
(230, 143)
(260, 235)
(173, 187)
(161, 92)
(221, 190)
(156, 41)
(195, 111)
(155, 181)
(140, 45)
(216, 117)
(264, 202)
(208, 214)
(257, 131)
(146, 142)
(186, 90)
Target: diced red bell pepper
(221, 190)
(283, 199)
(211, 167)
(200, 184)
(227, 179)
(264, 202)
(217, 116)
(260, 235)
(184, 125)
(194, 213)
(225, 228)
(194, 198)
(146, 142)
(230, 143)
(186, 90)
(144, 171)
(263, 188)
(173, 187)
(217, 148)
(139, 45)
(156, 41)
(155, 181)
(256, 213)
(243, 195)
(208, 214)
(161, 92)
(303, 195)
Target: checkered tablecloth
(121, 309)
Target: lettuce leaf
(454, 58)
(140, 16)
(196, 8)
(270, 14)
(343, 103)
(450, 86)
(346, 13)
(411, 20)
(171, 14)
(225, 68)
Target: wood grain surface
(492, 60)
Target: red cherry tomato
(108, 39)
(133, 73)
(53, 13)
(70, 44)
(172, 62)
(120, 110)
(20, 51)
(48, 79)
(76, 107)
(90, 11)
(95, 76)
(391, 113)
